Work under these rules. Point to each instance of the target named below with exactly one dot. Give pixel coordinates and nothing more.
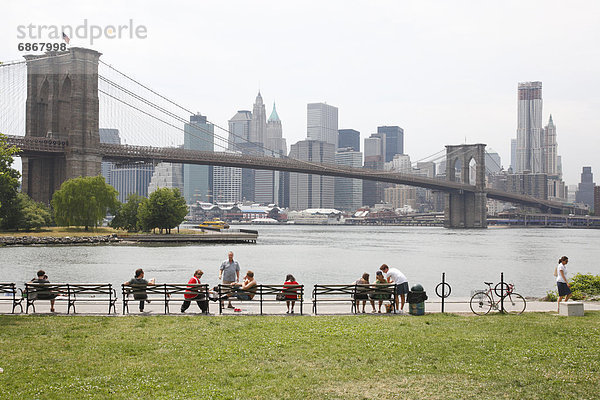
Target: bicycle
(483, 301)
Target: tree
(164, 209)
(83, 202)
(9, 181)
(127, 215)
(32, 215)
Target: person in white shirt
(393, 275)
(564, 287)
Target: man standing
(229, 273)
(393, 275)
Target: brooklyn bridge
(58, 137)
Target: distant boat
(214, 224)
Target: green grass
(531, 356)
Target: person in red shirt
(192, 294)
(291, 295)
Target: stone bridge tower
(466, 209)
(62, 103)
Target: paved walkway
(456, 306)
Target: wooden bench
(71, 293)
(263, 294)
(348, 293)
(8, 292)
(165, 293)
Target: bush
(550, 296)
(587, 284)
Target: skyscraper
(227, 184)
(268, 183)
(585, 190)
(550, 149)
(239, 128)
(111, 136)
(197, 179)
(322, 123)
(258, 124)
(513, 154)
(374, 156)
(394, 141)
(348, 192)
(529, 152)
(349, 138)
(167, 175)
(312, 191)
(131, 178)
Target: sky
(445, 71)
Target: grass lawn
(530, 356)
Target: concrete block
(571, 309)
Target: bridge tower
(466, 209)
(62, 103)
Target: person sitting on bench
(248, 288)
(139, 287)
(42, 294)
(192, 294)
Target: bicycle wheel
(514, 303)
(481, 303)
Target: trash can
(416, 300)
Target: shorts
(402, 288)
(361, 296)
(563, 289)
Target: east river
(331, 254)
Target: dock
(213, 236)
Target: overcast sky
(445, 71)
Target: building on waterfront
(399, 196)
(348, 191)
(227, 183)
(322, 123)
(529, 152)
(597, 200)
(535, 185)
(131, 178)
(307, 190)
(110, 136)
(198, 135)
(585, 189)
(166, 175)
(394, 141)
(349, 138)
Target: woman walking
(564, 287)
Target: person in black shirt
(138, 289)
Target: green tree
(165, 209)
(126, 216)
(83, 202)
(32, 215)
(9, 181)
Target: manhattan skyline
(445, 73)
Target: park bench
(165, 293)
(348, 293)
(71, 293)
(264, 294)
(8, 292)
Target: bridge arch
(466, 209)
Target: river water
(331, 254)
